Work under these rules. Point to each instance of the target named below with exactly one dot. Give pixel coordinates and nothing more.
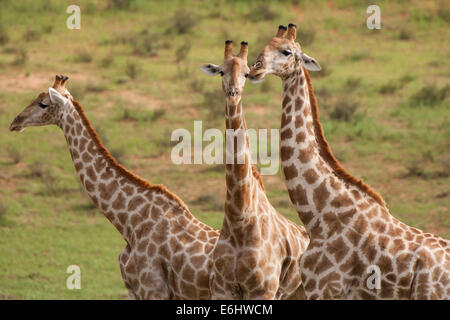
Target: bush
(83, 56)
(183, 21)
(414, 169)
(215, 103)
(262, 12)
(356, 56)
(107, 61)
(118, 4)
(325, 72)
(388, 88)
(430, 95)
(2, 210)
(4, 37)
(144, 43)
(15, 154)
(132, 69)
(444, 13)
(37, 170)
(305, 36)
(394, 85)
(31, 35)
(197, 84)
(47, 28)
(344, 110)
(405, 35)
(21, 57)
(208, 202)
(95, 87)
(144, 116)
(182, 51)
(77, 89)
(352, 83)
(266, 86)
(119, 155)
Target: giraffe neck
(315, 181)
(240, 180)
(125, 199)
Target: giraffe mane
(121, 169)
(325, 150)
(257, 176)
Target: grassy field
(383, 95)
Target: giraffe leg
(132, 295)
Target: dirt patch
(137, 98)
(39, 81)
(259, 110)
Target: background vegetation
(383, 96)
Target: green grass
(383, 99)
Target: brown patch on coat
(320, 195)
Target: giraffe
(258, 252)
(168, 250)
(357, 249)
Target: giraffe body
(168, 250)
(352, 234)
(258, 252)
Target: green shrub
(3, 210)
(214, 102)
(83, 56)
(430, 95)
(31, 34)
(118, 4)
(21, 57)
(344, 110)
(76, 89)
(15, 154)
(183, 21)
(107, 61)
(182, 51)
(305, 36)
(4, 37)
(405, 34)
(262, 12)
(144, 43)
(352, 83)
(132, 69)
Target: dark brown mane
(122, 171)
(325, 150)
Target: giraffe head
(234, 71)
(282, 56)
(46, 108)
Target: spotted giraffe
(168, 250)
(357, 249)
(258, 252)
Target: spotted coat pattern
(258, 252)
(168, 251)
(352, 234)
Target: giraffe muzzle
(257, 72)
(16, 125)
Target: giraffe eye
(246, 75)
(221, 73)
(286, 52)
(43, 105)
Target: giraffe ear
(56, 97)
(211, 69)
(310, 63)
